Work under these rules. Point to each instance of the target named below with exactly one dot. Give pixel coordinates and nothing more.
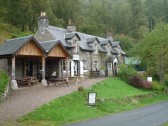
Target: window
(96, 48)
(84, 64)
(65, 65)
(109, 65)
(75, 44)
(95, 65)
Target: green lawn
(115, 88)
(165, 124)
(117, 96)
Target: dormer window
(75, 45)
(95, 48)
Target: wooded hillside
(125, 18)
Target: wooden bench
(95, 74)
(58, 81)
(26, 81)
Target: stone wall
(7, 92)
(4, 65)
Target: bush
(4, 80)
(146, 84)
(166, 79)
(125, 72)
(138, 82)
(81, 89)
(157, 86)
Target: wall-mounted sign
(149, 79)
(75, 57)
(92, 98)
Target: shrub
(4, 80)
(166, 79)
(126, 71)
(146, 84)
(157, 86)
(81, 89)
(138, 82)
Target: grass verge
(113, 96)
(4, 81)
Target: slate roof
(58, 34)
(102, 49)
(71, 35)
(11, 46)
(111, 58)
(115, 51)
(62, 34)
(104, 41)
(91, 39)
(115, 44)
(85, 39)
(48, 45)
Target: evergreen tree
(139, 22)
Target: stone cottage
(25, 56)
(65, 52)
(89, 52)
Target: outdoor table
(27, 80)
(58, 80)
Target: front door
(75, 68)
(29, 68)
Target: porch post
(60, 68)
(13, 79)
(44, 81)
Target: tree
(139, 21)
(153, 51)
(65, 10)
(125, 41)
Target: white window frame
(65, 65)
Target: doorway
(29, 68)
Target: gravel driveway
(24, 100)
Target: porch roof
(49, 45)
(11, 46)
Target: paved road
(153, 115)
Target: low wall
(7, 92)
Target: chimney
(71, 27)
(109, 35)
(42, 23)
